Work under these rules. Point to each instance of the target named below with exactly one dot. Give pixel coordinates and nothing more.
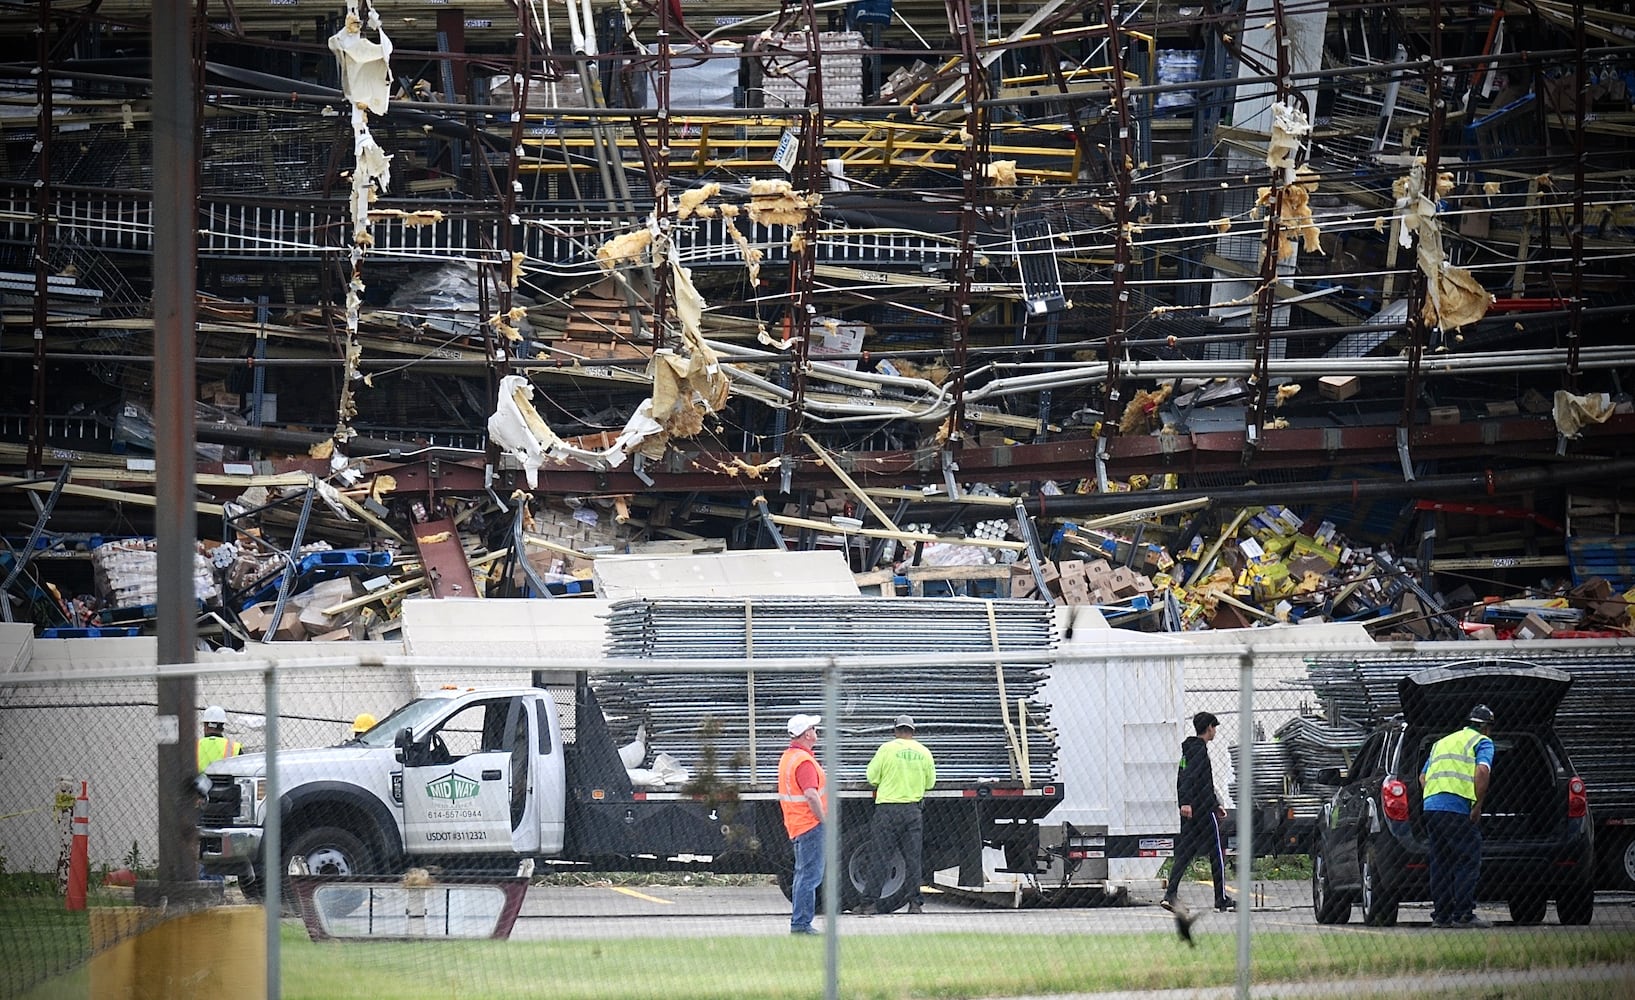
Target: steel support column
(1265, 294)
(1418, 288)
(973, 159)
(803, 261)
(42, 241)
(1122, 153)
(1575, 301)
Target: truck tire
(1618, 863)
(1379, 899)
(329, 850)
(857, 854)
(254, 886)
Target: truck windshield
(411, 716)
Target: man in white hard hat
(800, 792)
(214, 744)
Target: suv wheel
(1528, 908)
(1379, 901)
(1328, 908)
(1576, 904)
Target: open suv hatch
(1370, 848)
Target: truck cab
(456, 772)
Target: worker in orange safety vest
(800, 792)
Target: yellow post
(202, 955)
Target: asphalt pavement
(601, 911)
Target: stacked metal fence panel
(1314, 744)
(957, 710)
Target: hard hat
(362, 724)
(801, 723)
(214, 714)
(1481, 715)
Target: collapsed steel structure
(940, 244)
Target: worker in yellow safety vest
(214, 745)
(1453, 784)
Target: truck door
(550, 779)
(468, 790)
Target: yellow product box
(1305, 545)
(1271, 580)
(1276, 546)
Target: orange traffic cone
(79, 854)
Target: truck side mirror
(404, 743)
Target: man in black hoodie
(1201, 813)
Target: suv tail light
(1578, 801)
(1394, 799)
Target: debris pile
(127, 573)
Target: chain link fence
(617, 830)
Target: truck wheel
(894, 891)
(1618, 864)
(1379, 900)
(329, 850)
(1328, 907)
(254, 886)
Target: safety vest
(1452, 767)
(798, 816)
(214, 748)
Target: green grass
(779, 967)
(38, 939)
(892, 968)
(1271, 868)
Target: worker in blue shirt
(1455, 781)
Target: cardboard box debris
(257, 618)
(1338, 387)
(1534, 627)
(1444, 415)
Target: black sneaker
(915, 906)
(1167, 903)
(1226, 906)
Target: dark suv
(1537, 842)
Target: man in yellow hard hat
(362, 724)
